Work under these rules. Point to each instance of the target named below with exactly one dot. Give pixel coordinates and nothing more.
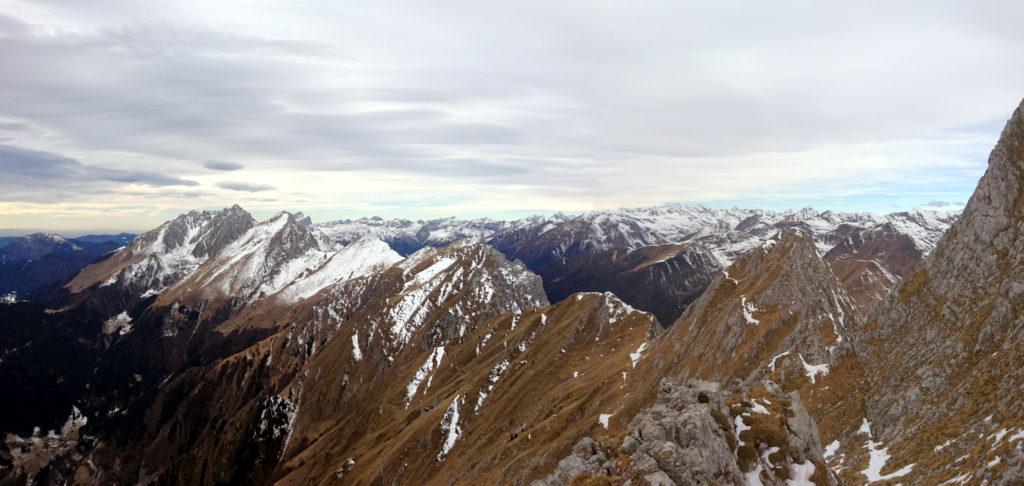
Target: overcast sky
(121, 114)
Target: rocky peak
(161, 257)
(268, 257)
(453, 288)
(946, 347)
(360, 257)
(777, 311)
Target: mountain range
(32, 263)
(662, 345)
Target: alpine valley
(667, 345)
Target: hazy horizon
(938, 206)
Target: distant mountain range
(667, 345)
(29, 264)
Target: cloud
(33, 175)
(223, 166)
(245, 186)
(562, 106)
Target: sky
(118, 115)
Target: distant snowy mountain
(162, 256)
(406, 237)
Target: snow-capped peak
(358, 258)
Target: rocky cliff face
(944, 352)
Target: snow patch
(758, 408)
(801, 474)
(748, 311)
(120, 324)
(603, 419)
(357, 354)
(831, 449)
(813, 370)
(492, 380)
(635, 356)
(450, 428)
(878, 457)
(424, 373)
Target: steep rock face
(161, 257)
(945, 350)
(699, 434)
(870, 262)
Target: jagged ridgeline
(664, 345)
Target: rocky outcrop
(698, 434)
(944, 351)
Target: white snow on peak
(432, 233)
(270, 256)
(172, 251)
(604, 418)
(359, 258)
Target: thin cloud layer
(244, 186)
(506, 109)
(222, 166)
(36, 176)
